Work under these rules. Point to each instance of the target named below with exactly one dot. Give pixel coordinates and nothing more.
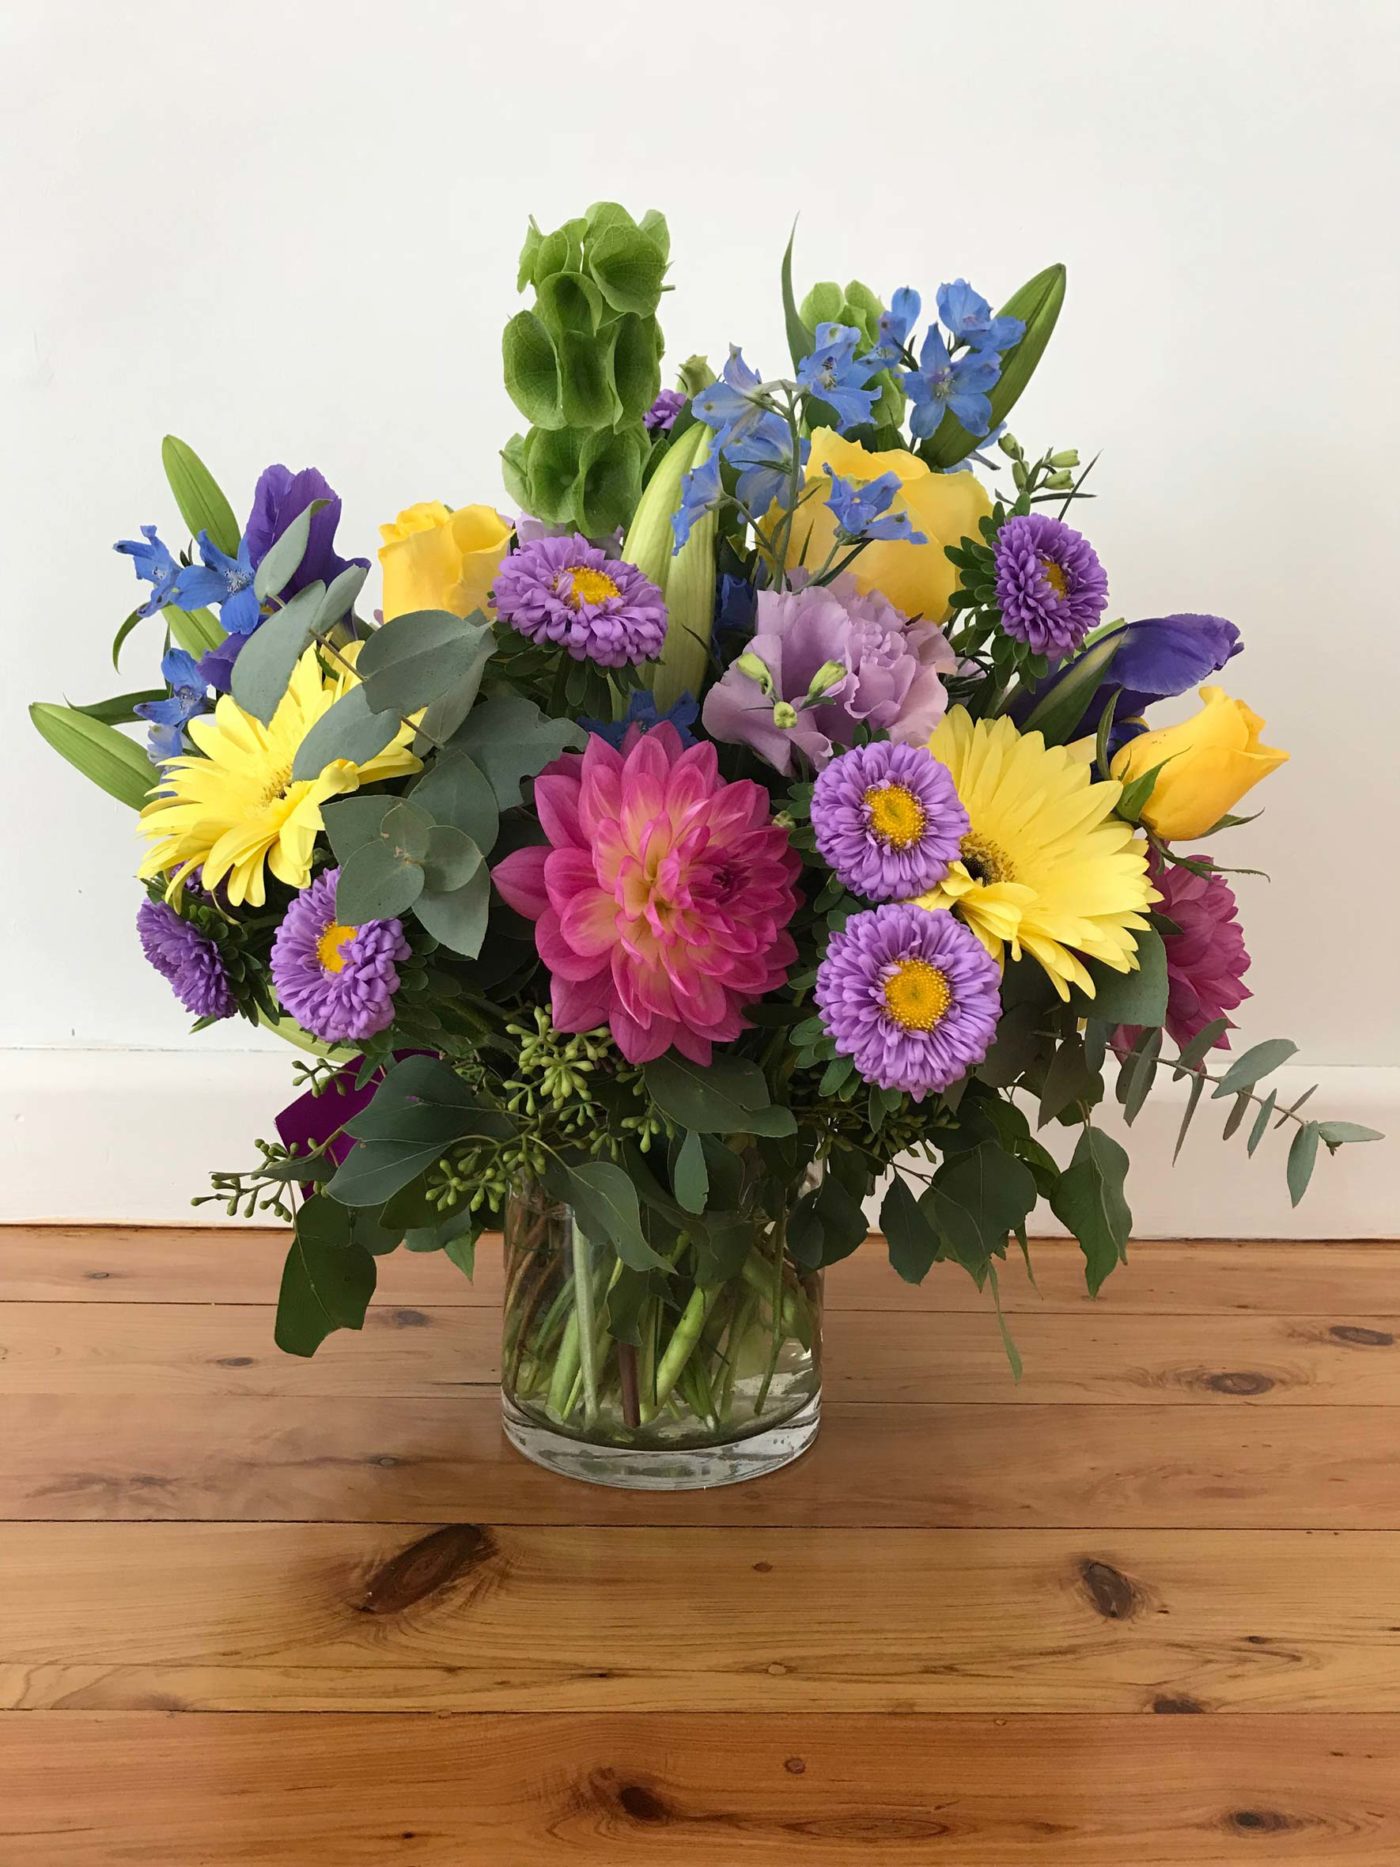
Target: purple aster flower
(911, 996)
(824, 661)
(664, 410)
(564, 592)
(281, 496)
(888, 820)
(185, 956)
(338, 982)
(1050, 585)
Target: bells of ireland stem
(686, 578)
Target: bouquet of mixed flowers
(767, 811)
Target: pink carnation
(661, 901)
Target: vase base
(663, 1468)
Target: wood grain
(430, 1459)
(318, 1617)
(92, 1789)
(1101, 1357)
(107, 1264)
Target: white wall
(288, 232)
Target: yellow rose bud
(1213, 759)
(434, 558)
(945, 507)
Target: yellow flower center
(896, 815)
(588, 586)
(984, 860)
(917, 994)
(330, 948)
(1054, 576)
(276, 786)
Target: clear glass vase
(703, 1374)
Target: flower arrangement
(766, 812)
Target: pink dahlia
(1206, 957)
(661, 901)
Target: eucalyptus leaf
(1089, 1201)
(417, 657)
(349, 730)
(450, 859)
(1302, 1157)
(340, 596)
(327, 1280)
(1261, 1120)
(912, 1241)
(282, 560)
(375, 885)
(267, 659)
(1258, 1061)
(353, 821)
(690, 1176)
(605, 1200)
(510, 740)
(374, 1171)
(1345, 1133)
(1138, 997)
(729, 1096)
(1198, 1083)
(454, 790)
(458, 916)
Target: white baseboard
(128, 1136)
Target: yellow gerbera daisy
(236, 807)
(1046, 868)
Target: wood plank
(316, 1617)
(430, 1459)
(1095, 1356)
(108, 1264)
(90, 1789)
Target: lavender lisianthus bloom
(888, 820)
(187, 958)
(911, 996)
(664, 410)
(1051, 587)
(825, 660)
(566, 593)
(281, 496)
(338, 982)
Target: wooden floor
(1142, 1610)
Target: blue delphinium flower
(980, 455)
(736, 606)
(701, 492)
(895, 326)
(154, 565)
(941, 383)
(641, 711)
(733, 405)
(221, 580)
(862, 512)
(764, 458)
(188, 696)
(968, 319)
(837, 375)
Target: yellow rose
(1213, 760)
(917, 579)
(435, 558)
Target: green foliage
(909, 1232)
(1089, 1201)
(727, 1096)
(266, 660)
(111, 761)
(349, 729)
(1138, 997)
(282, 559)
(419, 1110)
(327, 1280)
(202, 505)
(690, 1175)
(1058, 715)
(605, 1200)
(421, 657)
(510, 739)
(583, 366)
